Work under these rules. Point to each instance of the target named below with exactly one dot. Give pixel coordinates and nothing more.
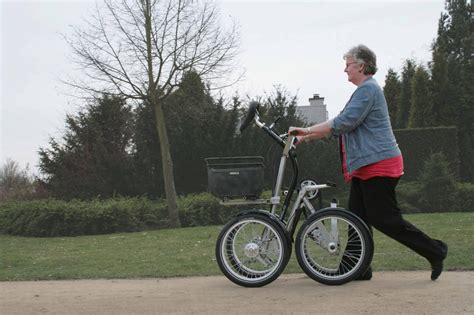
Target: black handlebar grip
(253, 107)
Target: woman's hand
(300, 139)
(297, 131)
(317, 131)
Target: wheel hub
(332, 247)
(252, 250)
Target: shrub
(464, 201)
(409, 196)
(16, 183)
(412, 199)
(204, 209)
(438, 185)
(423, 142)
(52, 217)
(198, 209)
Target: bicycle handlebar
(287, 142)
(253, 115)
(253, 110)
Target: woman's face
(354, 70)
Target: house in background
(315, 112)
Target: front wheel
(334, 247)
(252, 250)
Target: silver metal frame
(302, 198)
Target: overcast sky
(297, 44)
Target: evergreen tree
(443, 113)
(194, 122)
(404, 105)
(438, 183)
(452, 77)
(146, 154)
(228, 124)
(421, 104)
(279, 103)
(392, 95)
(198, 127)
(93, 158)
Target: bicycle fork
(328, 239)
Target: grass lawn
(190, 252)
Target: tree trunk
(167, 164)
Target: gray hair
(363, 55)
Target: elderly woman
(372, 161)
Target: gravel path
(386, 293)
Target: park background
(103, 172)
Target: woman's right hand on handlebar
(299, 133)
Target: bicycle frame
(302, 201)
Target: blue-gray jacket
(365, 123)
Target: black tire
(334, 258)
(248, 257)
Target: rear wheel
(252, 250)
(334, 247)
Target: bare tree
(140, 49)
(14, 181)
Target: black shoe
(437, 265)
(367, 275)
(436, 269)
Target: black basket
(235, 177)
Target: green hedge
(412, 199)
(320, 159)
(418, 144)
(204, 209)
(52, 217)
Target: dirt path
(387, 293)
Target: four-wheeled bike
(333, 246)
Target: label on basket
(234, 173)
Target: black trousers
(374, 201)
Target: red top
(391, 167)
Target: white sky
(298, 44)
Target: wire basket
(235, 177)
